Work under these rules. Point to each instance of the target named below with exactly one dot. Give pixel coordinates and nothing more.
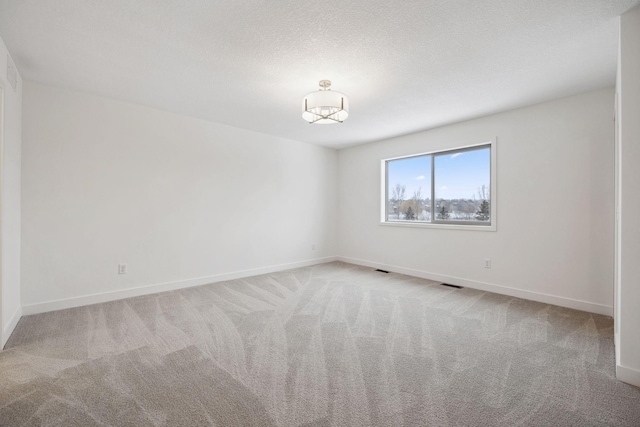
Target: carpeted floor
(328, 345)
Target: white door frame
(2, 325)
(616, 230)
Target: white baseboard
(169, 286)
(8, 330)
(628, 375)
(61, 304)
(591, 307)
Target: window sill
(491, 227)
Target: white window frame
(492, 143)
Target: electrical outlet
(122, 268)
(313, 247)
(487, 263)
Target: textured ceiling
(405, 65)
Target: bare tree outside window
(396, 199)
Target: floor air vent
(382, 271)
(451, 286)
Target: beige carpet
(329, 345)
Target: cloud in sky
(454, 155)
(419, 177)
(444, 187)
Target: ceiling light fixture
(325, 106)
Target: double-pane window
(446, 187)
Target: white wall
(181, 201)
(628, 140)
(555, 194)
(10, 203)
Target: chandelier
(325, 106)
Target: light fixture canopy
(325, 106)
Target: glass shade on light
(325, 106)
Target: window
(451, 188)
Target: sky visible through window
(413, 173)
(458, 175)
